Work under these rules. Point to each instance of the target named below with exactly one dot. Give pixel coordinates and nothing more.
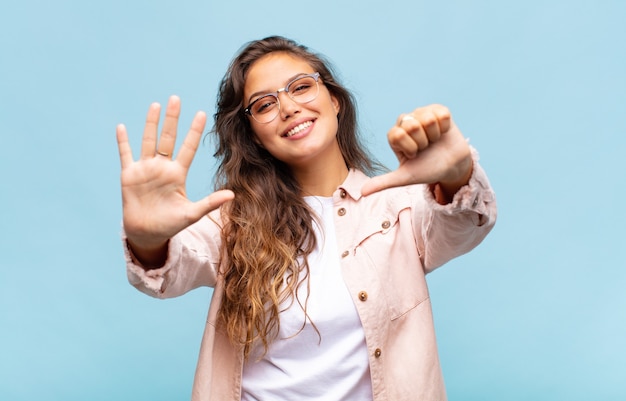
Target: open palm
(154, 199)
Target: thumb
(395, 178)
(213, 201)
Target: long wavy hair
(268, 227)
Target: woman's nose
(288, 106)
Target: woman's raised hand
(154, 200)
(430, 148)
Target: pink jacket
(388, 242)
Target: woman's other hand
(431, 150)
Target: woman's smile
(300, 130)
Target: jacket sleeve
(192, 262)
(451, 230)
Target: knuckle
(442, 111)
(428, 119)
(395, 135)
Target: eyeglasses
(301, 90)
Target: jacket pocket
(389, 246)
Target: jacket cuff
(153, 280)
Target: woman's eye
(264, 105)
(301, 88)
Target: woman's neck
(321, 180)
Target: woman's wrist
(150, 256)
(444, 191)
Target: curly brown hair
(268, 227)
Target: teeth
(299, 128)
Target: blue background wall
(537, 312)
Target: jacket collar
(353, 183)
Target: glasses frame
(315, 76)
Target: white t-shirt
(302, 365)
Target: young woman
(318, 270)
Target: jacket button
(341, 212)
(344, 254)
(378, 353)
(386, 224)
(363, 296)
(343, 193)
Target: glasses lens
(303, 90)
(265, 108)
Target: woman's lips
(298, 128)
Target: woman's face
(302, 134)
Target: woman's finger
(210, 203)
(444, 117)
(167, 141)
(126, 154)
(190, 144)
(148, 142)
(401, 143)
(413, 127)
(429, 123)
